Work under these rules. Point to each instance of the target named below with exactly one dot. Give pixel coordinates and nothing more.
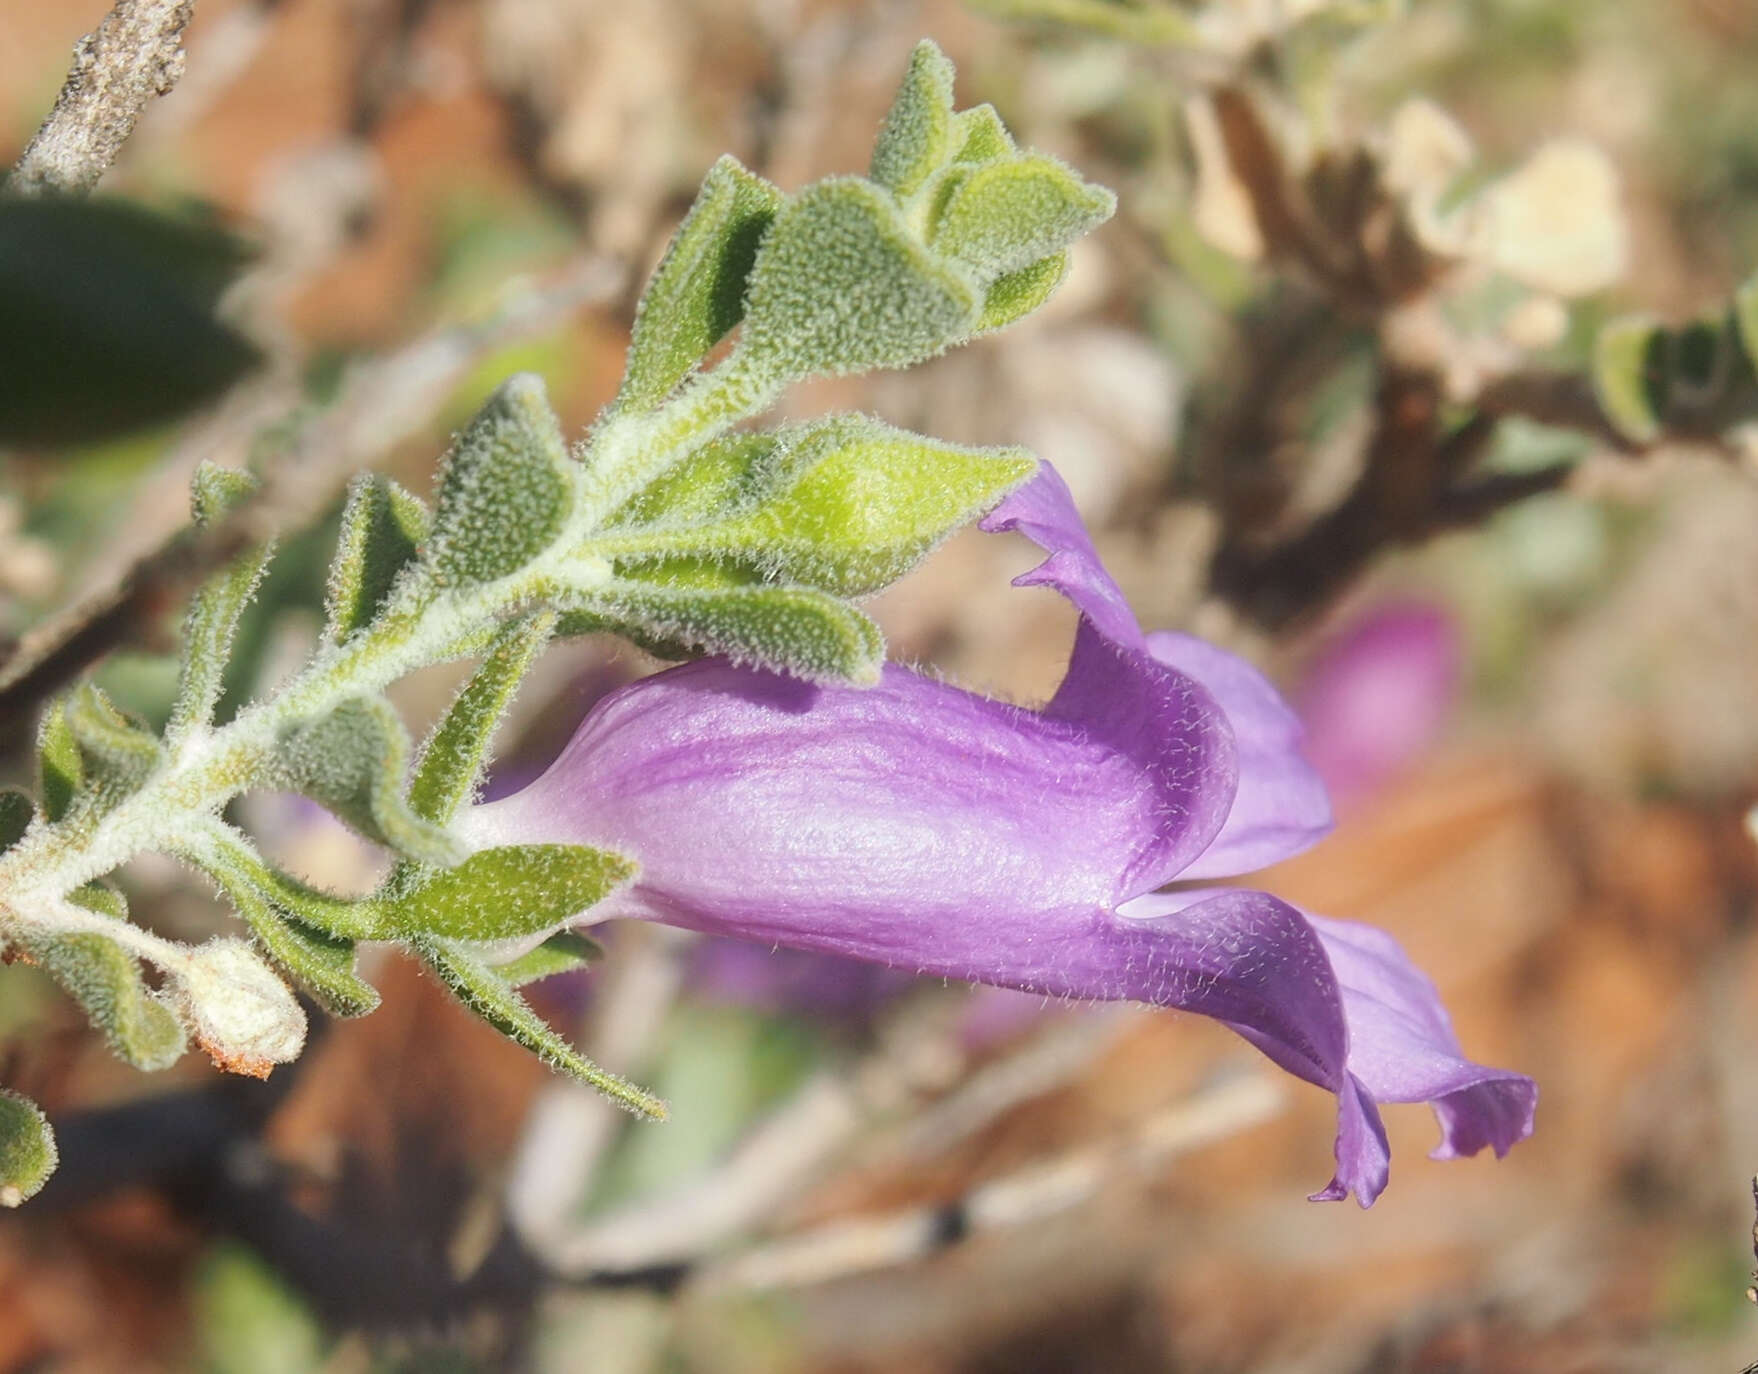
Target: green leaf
(60, 770)
(16, 813)
(116, 753)
(841, 285)
(717, 478)
(688, 610)
(697, 293)
(103, 898)
(1132, 23)
(382, 528)
(1745, 313)
(479, 988)
(212, 619)
(1014, 295)
(105, 980)
(852, 504)
(27, 1149)
(506, 893)
(322, 963)
(1007, 215)
(913, 140)
(214, 490)
(563, 952)
(980, 136)
(1630, 376)
(108, 324)
(353, 761)
(247, 1319)
(505, 490)
(345, 918)
(457, 751)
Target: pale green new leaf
(1745, 312)
(27, 1149)
(841, 285)
(353, 761)
(1005, 216)
(1630, 376)
(697, 293)
(506, 893)
(505, 490)
(913, 140)
(1014, 295)
(979, 136)
(382, 528)
(718, 478)
(456, 752)
(849, 506)
(563, 952)
(480, 988)
(214, 611)
(1128, 20)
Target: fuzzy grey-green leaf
(382, 528)
(1004, 216)
(214, 611)
(913, 140)
(214, 490)
(478, 987)
(60, 770)
(105, 980)
(505, 490)
(697, 294)
(27, 1149)
(563, 952)
(690, 609)
(455, 754)
(841, 285)
(322, 963)
(506, 893)
(353, 760)
(116, 754)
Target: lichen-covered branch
(136, 53)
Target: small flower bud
(241, 1013)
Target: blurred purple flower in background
(1378, 695)
(920, 826)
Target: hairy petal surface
(1281, 807)
(1404, 1050)
(910, 823)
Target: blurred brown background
(1562, 847)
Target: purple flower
(1379, 694)
(921, 826)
